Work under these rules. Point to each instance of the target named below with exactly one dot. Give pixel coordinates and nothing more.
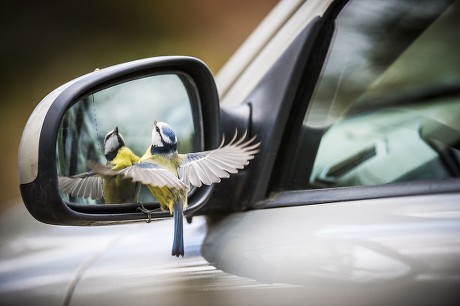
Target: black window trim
(353, 193)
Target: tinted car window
(386, 107)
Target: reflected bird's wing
(146, 173)
(84, 185)
(210, 166)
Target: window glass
(386, 107)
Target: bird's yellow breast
(169, 162)
(125, 158)
(119, 190)
(116, 188)
(165, 195)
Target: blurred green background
(45, 44)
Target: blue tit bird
(168, 174)
(114, 189)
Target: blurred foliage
(47, 43)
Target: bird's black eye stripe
(120, 141)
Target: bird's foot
(147, 212)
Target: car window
(386, 107)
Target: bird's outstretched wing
(210, 166)
(146, 173)
(84, 185)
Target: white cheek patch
(156, 139)
(111, 145)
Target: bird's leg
(147, 212)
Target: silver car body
(392, 250)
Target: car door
(361, 202)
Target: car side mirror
(68, 129)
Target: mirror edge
(37, 152)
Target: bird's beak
(116, 130)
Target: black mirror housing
(38, 175)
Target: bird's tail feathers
(178, 243)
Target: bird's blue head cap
(164, 139)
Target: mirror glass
(132, 107)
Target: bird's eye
(157, 129)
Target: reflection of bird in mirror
(114, 189)
(168, 174)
